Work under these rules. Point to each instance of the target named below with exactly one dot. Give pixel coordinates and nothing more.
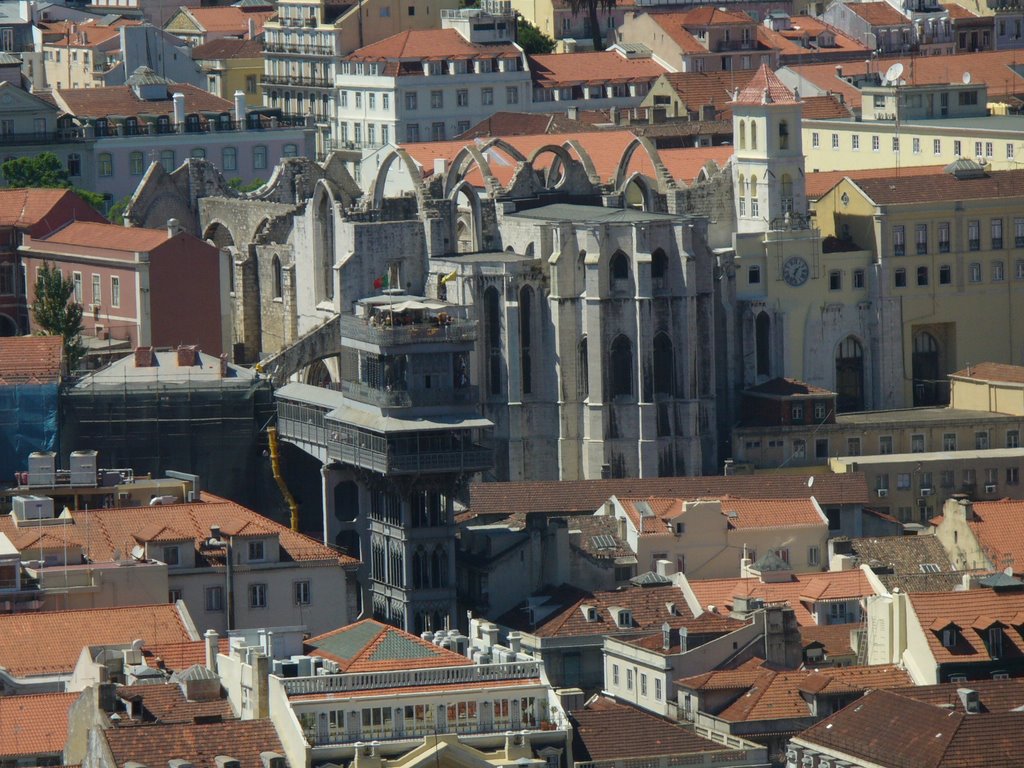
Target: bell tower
(768, 162)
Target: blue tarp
(28, 422)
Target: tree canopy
(45, 170)
(57, 313)
(531, 39)
(591, 7)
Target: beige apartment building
(912, 487)
(304, 44)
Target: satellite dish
(893, 73)
(967, 78)
(810, 481)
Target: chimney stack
(240, 107)
(173, 227)
(211, 640)
(144, 357)
(187, 356)
(179, 108)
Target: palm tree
(591, 7)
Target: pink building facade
(138, 286)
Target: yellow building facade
(947, 272)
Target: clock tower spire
(768, 162)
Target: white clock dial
(795, 271)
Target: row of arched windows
(783, 134)
(430, 567)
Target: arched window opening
(753, 135)
(849, 375)
(659, 268)
(783, 134)
(621, 363)
(928, 389)
(787, 193)
(741, 194)
(763, 342)
(492, 319)
(619, 267)
(755, 205)
(664, 365)
(583, 369)
(743, 134)
(325, 224)
(525, 332)
(278, 277)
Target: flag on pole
(449, 277)
(381, 282)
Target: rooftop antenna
(892, 76)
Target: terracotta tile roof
(227, 48)
(879, 14)
(958, 11)
(426, 44)
(674, 26)
(230, 20)
(995, 372)
(738, 513)
(31, 359)
(113, 237)
(821, 182)
(888, 728)
(608, 730)
(697, 89)
(589, 528)
(890, 189)
(999, 528)
(791, 42)
(121, 100)
(173, 657)
(109, 532)
(782, 387)
(825, 108)
(522, 124)
(994, 68)
(827, 585)
(586, 496)
(776, 695)
(765, 86)
(370, 646)
(199, 744)
(557, 612)
(34, 725)
(897, 561)
(40, 210)
(937, 610)
(834, 639)
(715, 16)
(993, 695)
(167, 704)
(559, 70)
(88, 33)
(65, 633)
(686, 164)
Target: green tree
(45, 170)
(591, 7)
(57, 313)
(116, 213)
(531, 39)
(239, 185)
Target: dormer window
(949, 636)
(171, 555)
(994, 641)
(257, 551)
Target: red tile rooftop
(34, 725)
(556, 70)
(31, 359)
(430, 44)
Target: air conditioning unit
(883, 492)
(927, 491)
(990, 488)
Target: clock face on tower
(795, 271)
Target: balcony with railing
(472, 674)
(297, 81)
(385, 334)
(402, 456)
(39, 137)
(298, 49)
